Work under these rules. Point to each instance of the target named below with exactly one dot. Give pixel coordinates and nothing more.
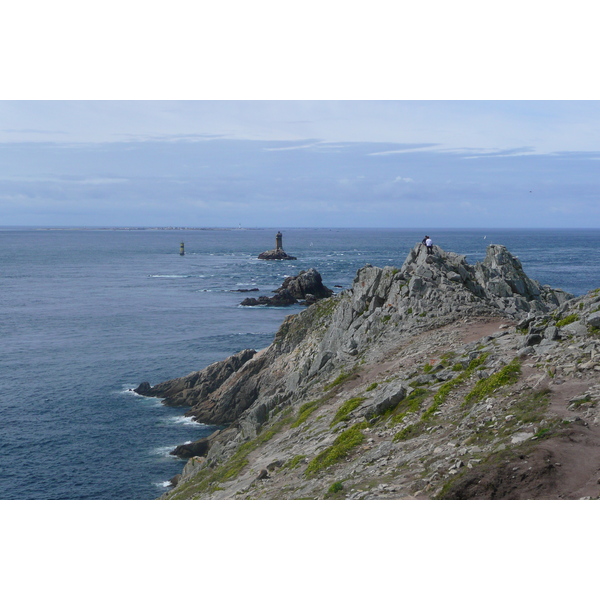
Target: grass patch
(334, 489)
(341, 378)
(372, 387)
(409, 431)
(305, 411)
(484, 387)
(567, 320)
(340, 448)
(344, 411)
(412, 403)
(295, 461)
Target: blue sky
(300, 163)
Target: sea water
(86, 315)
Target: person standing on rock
(428, 244)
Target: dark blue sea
(86, 315)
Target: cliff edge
(436, 380)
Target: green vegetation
(412, 403)
(340, 448)
(305, 411)
(587, 399)
(295, 461)
(544, 433)
(423, 314)
(386, 318)
(428, 368)
(372, 387)
(439, 398)
(334, 489)
(341, 378)
(567, 320)
(409, 311)
(484, 387)
(344, 411)
(457, 367)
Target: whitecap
(163, 451)
(185, 421)
(170, 276)
(149, 401)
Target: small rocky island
(278, 253)
(305, 288)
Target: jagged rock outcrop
(306, 283)
(199, 385)
(393, 365)
(306, 287)
(499, 279)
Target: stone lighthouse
(278, 253)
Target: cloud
(405, 148)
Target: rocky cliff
(438, 379)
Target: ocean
(88, 314)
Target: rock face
(306, 283)
(306, 287)
(197, 387)
(407, 385)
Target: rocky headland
(438, 379)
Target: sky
(211, 163)
(259, 116)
